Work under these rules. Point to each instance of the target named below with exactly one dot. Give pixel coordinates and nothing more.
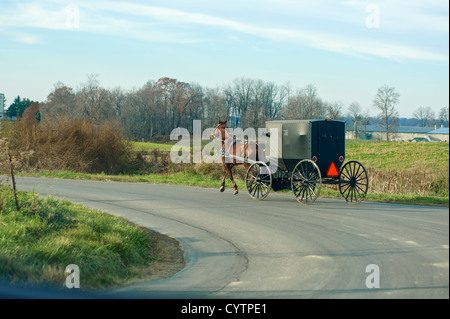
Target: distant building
(2, 106)
(402, 133)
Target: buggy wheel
(306, 181)
(258, 180)
(353, 182)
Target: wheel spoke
(351, 171)
(303, 193)
(312, 190)
(258, 180)
(348, 194)
(353, 182)
(357, 177)
(347, 188)
(254, 190)
(360, 189)
(306, 181)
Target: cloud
(32, 15)
(159, 24)
(424, 16)
(26, 38)
(354, 46)
(332, 42)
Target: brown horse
(233, 147)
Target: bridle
(214, 132)
(224, 139)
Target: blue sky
(347, 49)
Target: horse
(233, 147)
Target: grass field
(407, 169)
(46, 235)
(148, 147)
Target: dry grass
(417, 181)
(69, 144)
(404, 168)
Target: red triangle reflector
(332, 170)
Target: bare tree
(354, 112)
(239, 96)
(139, 113)
(175, 97)
(60, 102)
(259, 101)
(365, 121)
(215, 107)
(271, 97)
(95, 103)
(255, 101)
(425, 116)
(333, 110)
(386, 101)
(304, 105)
(132, 116)
(443, 116)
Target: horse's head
(219, 131)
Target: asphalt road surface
(236, 247)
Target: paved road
(236, 247)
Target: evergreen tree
(18, 107)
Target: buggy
(308, 153)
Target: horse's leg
(225, 173)
(231, 170)
(232, 180)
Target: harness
(224, 152)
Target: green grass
(46, 235)
(399, 155)
(408, 170)
(147, 147)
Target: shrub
(70, 144)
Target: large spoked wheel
(353, 182)
(258, 180)
(306, 181)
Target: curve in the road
(236, 247)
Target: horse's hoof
(222, 189)
(235, 192)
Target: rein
(223, 141)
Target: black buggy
(308, 153)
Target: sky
(347, 49)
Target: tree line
(158, 107)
